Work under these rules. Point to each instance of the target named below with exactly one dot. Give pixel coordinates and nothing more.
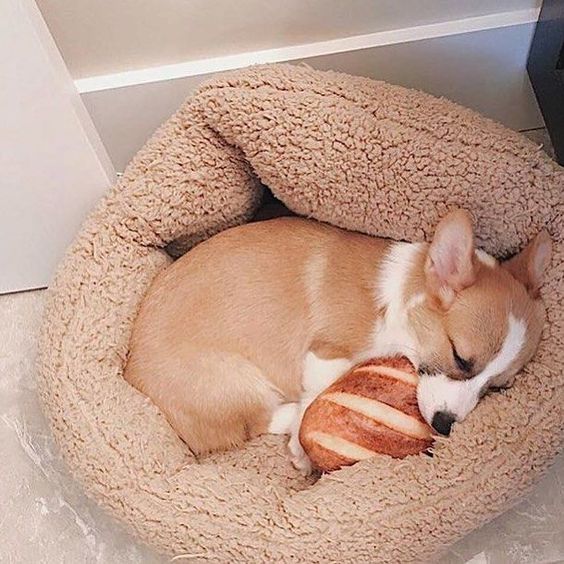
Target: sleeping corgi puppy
(238, 336)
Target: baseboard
(306, 51)
(479, 62)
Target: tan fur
(476, 323)
(450, 272)
(529, 266)
(221, 335)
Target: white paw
(320, 373)
(283, 419)
(302, 464)
(299, 458)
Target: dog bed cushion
(353, 152)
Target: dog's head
(480, 321)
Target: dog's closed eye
(463, 364)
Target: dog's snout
(442, 422)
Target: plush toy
(370, 410)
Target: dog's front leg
(318, 374)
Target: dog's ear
(529, 266)
(449, 267)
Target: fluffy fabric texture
(359, 154)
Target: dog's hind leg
(213, 400)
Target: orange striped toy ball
(370, 410)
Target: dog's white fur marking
(318, 374)
(485, 258)
(393, 274)
(392, 334)
(437, 392)
(283, 419)
(512, 345)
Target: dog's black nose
(442, 422)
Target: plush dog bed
(359, 154)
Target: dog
(238, 336)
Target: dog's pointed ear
(449, 267)
(529, 266)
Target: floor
(45, 518)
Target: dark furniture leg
(546, 70)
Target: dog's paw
(300, 460)
(302, 464)
(283, 419)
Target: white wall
(104, 36)
(53, 165)
(134, 61)
(484, 70)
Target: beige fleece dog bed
(353, 152)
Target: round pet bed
(359, 154)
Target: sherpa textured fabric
(359, 154)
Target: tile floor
(46, 519)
